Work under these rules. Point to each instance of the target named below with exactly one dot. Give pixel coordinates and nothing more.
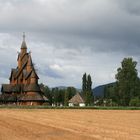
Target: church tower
(24, 80)
(23, 46)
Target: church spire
(23, 45)
(23, 36)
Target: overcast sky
(70, 37)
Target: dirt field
(69, 124)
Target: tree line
(61, 96)
(58, 96)
(124, 92)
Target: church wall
(31, 103)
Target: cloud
(70, 37)
(129, 6)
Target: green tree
(61, 96)
(66, 99)
(127, 85)
(87, 89)
(89, 83)
(89, 96)
(84, 84)
(47, 92)
(110, 93)
(55, 96)
(135, 102)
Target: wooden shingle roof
(6, 88)
(32, 88)
(76, 99)
(13, 73)
(31, 97)
(8, 97)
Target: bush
(135, 102)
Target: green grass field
(66, 107)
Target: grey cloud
(132, 7)
(88, 19)
(50, 73)
(77, 35)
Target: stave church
(23, 88)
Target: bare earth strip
(34, 124)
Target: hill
(99, 90)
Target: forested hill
(99, 90)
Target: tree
(61, 96)
(110, 93)
(135, 102)
(46, 91)
(89, 83)
(55, 96)
(87, 89)
(127, 84)
(84, 84)
(66, 99)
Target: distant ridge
(99, 90)
(65, 87)
(60, 87)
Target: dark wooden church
(23, 88)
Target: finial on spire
(23, 36)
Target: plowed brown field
(34, 124)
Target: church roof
(8, 97)
(34, 74)
(29, 63)
(76, 99)
(16, 88)
(36, 95)
(32, 88)
(8, 88)
(13, 73)
(23, 97)
(31, 97)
